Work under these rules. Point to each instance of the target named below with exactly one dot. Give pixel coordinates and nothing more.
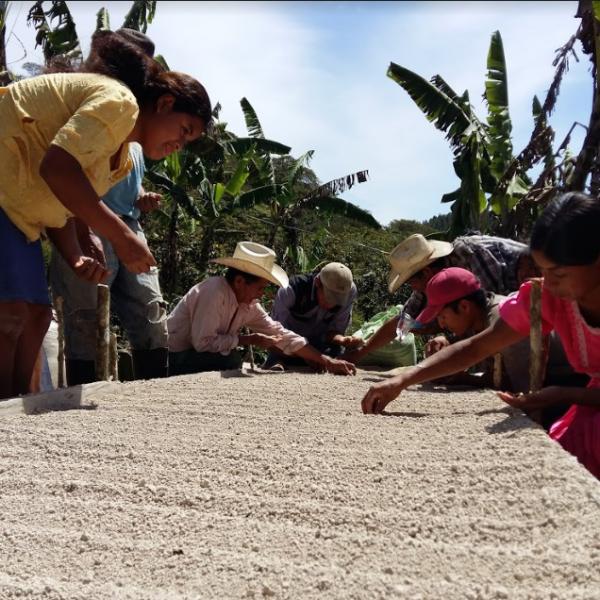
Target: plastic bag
(396, 353)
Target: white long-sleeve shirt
(208, 319)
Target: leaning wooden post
(113, 358)
(536, 358)
(102, 332)
(497, 371)
(60, 319)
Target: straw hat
(412, 255)
(257, 260)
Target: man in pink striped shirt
(204, 327)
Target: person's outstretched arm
(450, 360)
(69, 183)
(384, 335)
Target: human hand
(549, 396)
(352, 342)
(148, 201)
(89, 242)
(90, 270)
(436, 344)
(354, 356)
(339, 367)
(134, 253)
(380, 395)
(262, 340)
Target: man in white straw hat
(317, 306)
(500, 264)
(204, 328)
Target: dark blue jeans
(190, 361)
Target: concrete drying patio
(275, 485)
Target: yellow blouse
(87, 115)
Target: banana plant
(209, 181)
(56, 32)
(482, 151)
(291, 188)
(56, 40)
(140, 14)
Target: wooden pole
(102, 332)
(114, 358)
(252, 365)
(536, 358)
(60, 319)
(497, 371)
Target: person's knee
(150, 332)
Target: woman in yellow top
(63, 144)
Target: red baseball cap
(445, 287)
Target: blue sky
(315, 74)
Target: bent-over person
(204, 328)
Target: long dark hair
(568, 230)
(118, 56)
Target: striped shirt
(493, 260)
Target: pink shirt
(580, 341)
(208, 319)
(578, 430)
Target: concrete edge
(79, 396)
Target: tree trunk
(208, 238)
(589, 151)
(5, 77)
(171, 266)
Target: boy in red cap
(457, 301)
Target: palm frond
(296, 169)
(263, 163)
(496, 96)
(140, 14)
(337, 186)
(242, 145)
(176, 192)
(160, 59)
(260, 195)
(102, 20)
(252, 123)
(444, 112)
(60, 40)
(339, 206)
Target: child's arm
(454, 358)
(65, 177)
(552, 396)
(66, 241)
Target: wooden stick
(60, 319)
(536, 358)
(252, 365)
(113, 358)
(102, 332)
(497, 371)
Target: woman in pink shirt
(566, 246)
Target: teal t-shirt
(122, 197)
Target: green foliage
(140, 14)
(58, 39)
(491, 181)
(102, 20)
